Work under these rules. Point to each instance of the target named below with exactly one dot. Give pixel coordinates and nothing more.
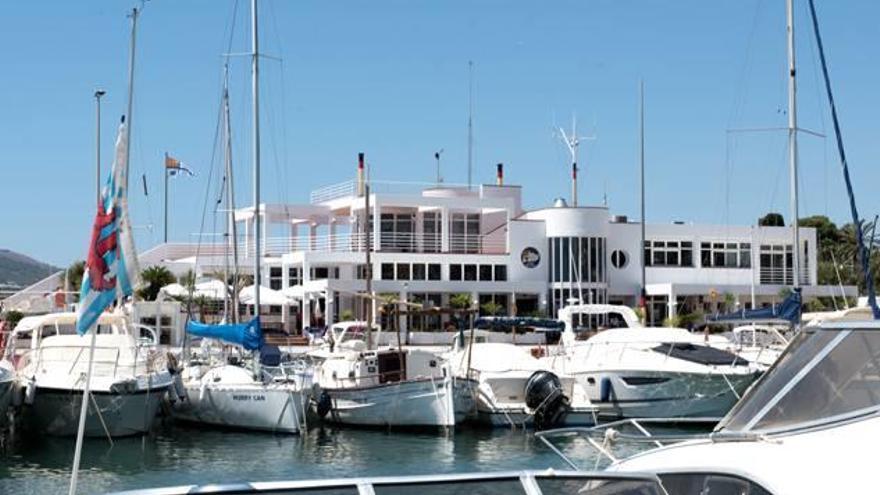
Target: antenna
(572, 141)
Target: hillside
(18, 269)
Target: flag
(173, 166)
(111, 266)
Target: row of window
(577, 259)
(482, 273)
(712, 254)
(669, 253)
(410, 271)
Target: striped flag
(111, 267)
(173, 166)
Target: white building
(431, 242)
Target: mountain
(18, 269)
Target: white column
(672, 303)
(313, 236)
(294, 236)
(307, 313)
(329, 307)
(332, 229)
(444, 229)
(377, 225)
(402, 320)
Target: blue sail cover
(789, 310)
(247, 335)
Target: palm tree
(154, 277)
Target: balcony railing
(781, 276)
(388, 242)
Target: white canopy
(268, 297)
(212, 289)
(294, 292)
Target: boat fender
(17, 396)
(30, 392)
(177, 387)
(606, 389)
(203, 389)
(323, 404)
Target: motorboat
(128, 382)
(822, 396)
(514, 389)
(233, 388)
(389, 386)
(647, 372)
(7, 390)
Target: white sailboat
(246, 394)
(391, 386)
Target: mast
(134, 17)
(369, 268)
(470, 143)
(255, 61)
(644, 294)
(231, 235)
(792, 144)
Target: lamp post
(98, 94)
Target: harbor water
(177, 454)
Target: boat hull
(411, 403)
(57, 412)
(519, 418)
(653, 394)
(274, 407)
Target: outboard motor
(323, 402)
(544, 396)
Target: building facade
(438, 245)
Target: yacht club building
(430, 243)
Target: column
(377, 226)
(294, 237)
(444, 229)
(332, 237)
(313, 236)
(306, 311)
(402, 320)
(671, 304)
(329, 307)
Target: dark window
(418, 271)
(485, 273)
(470, 272)
(619, 259)
(454, 272)
(434, 271)
(387, 271)
(403, 271)
(500, 273)
(320, 272)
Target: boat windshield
(825, 375)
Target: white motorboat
(7, 389)
(514, 389)
(395, 387)
(129, 376)
(645, 372)
(822, 396)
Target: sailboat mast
(131, 51)
(644, 294)
(470, 143)
(792, 144)
(256, 144)
(231, 234)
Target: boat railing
(603, 438)
(526, 482)
(108, 361)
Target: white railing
(781, 276)
(333, 191)
(388, 242)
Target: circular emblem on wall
(530, 257)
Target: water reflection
(180, 455)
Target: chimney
(499, 174)
(360, 175)
(574, 184)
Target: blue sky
(390, 79)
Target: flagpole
(80, 433)
(165, 168)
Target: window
(725, 254)
(619, 259)
(397, 232)
(470, 272)
(465, 233)
(776, 264)
(387, 271)
(500, 273)
(294, 276)
(361, 272)
(668, 253)
(403, 271)
(434, 271)
(485, 273)
(275, 277)
(431, 232)
(418, 271)
(454, 272)
(320, 272)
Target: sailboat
(242, 393)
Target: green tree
(154, 277)
(75, 274)
(772, 220)
(461, 300)
(12, 318)
(187, 280)
(491, 308)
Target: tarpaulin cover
(247, 335)
(789, 310)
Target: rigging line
(745, 69)
(284, 150)
(817, 86)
